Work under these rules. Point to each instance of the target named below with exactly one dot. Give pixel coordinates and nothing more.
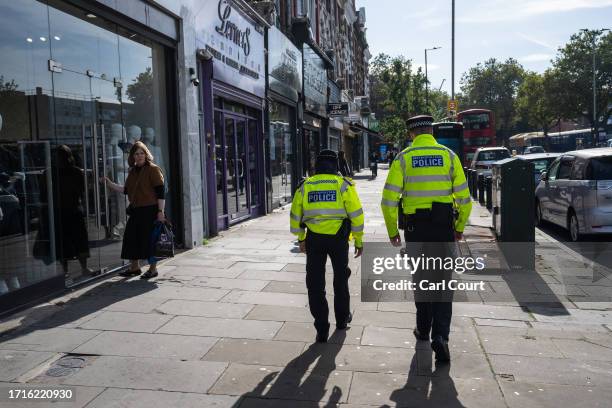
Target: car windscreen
(493, 155)
(601, 168)
(541, 164)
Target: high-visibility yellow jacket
(322, 203)
(421, 174)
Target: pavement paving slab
(553, 370)
(249, 351)
(284, 383)
(400, 390)
(286, 287)
(125, 321)
(123, 398)
(204, 309)
(128, 344)
(56, 340)
(521, 395)
(148, 374)
(217, 327)
(267, 298)
(299, 331)
(229, 283)
(15, 363)
(280, 313)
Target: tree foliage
(494, 85)
(398, 92)
(573, 72)
(536, 102)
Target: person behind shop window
(343, 166)
(145, 189)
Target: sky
(530, 31)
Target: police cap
(327, 155)
(419, 122)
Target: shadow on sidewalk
(425, 388)
(298, 383)
(50, 316)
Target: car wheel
(538, 215)
(574, 228)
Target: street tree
(398, 92)
(494, 85)
(393, 129)
(573, 74)
(536, 101)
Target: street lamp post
(596, 33)
(426, 77)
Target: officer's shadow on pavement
(76, 311)
(427, 385)
(302, 381)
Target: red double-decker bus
(478, 131)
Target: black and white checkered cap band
(423, 123)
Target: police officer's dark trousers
(431, 233)
(318, 247)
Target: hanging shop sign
(336, 110)
(235, 42)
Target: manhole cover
(59, 371)
(71, 362)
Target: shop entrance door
(237, 167)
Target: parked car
(541, 162)
(576, 192)
(533, 149)
(486, 156)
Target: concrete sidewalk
(228, 324)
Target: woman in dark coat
(144, 187)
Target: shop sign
(285, 65)
(315, 82)
(338, 109)
(235, 42)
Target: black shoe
(343, 326)
(419, 336)
(322, 337)
(130, 273)
(149, 274)
(440, 347)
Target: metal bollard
(474, 185)
(489, 192)
(481, 189)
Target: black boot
(420, 336)
(343, 325)
(440, 347)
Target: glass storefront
(282, 154)
(75, 92)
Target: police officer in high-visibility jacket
(427, 184)
(325, 211)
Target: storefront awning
(356, 127)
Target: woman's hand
(161, 217)
(104, 180)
